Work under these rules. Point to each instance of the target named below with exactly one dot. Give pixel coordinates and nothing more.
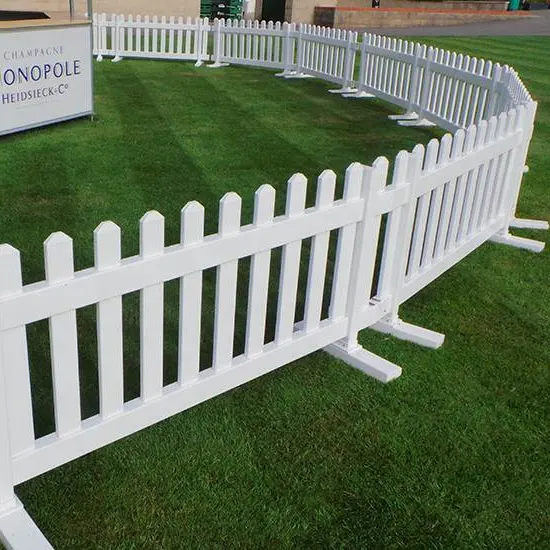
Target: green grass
(452, 455)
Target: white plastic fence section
(151, 37)
(443, 202)
(326, 53)
(460, 193)
(250, 43)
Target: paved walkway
(538, 25)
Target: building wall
(161, 7)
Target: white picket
(109, 324)
(192, 234)
(14, 361)
(318, 258)
(290, 263)
(226, 285)
(344, 249)
(151, 310)
(58, 256)
(264, 206)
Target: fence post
(118, 47)
(17, 530)
(362, 271)
(288, 49)
(7, 495)
(416, 117)
(360, 92)
(526, 115)
(399, 228)
(198, 41)
(298, 73)
(218, 24)
(347, 81)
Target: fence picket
(318, 257)
(462, 185)
(14, 361)
(290, 263)
(344, 248)
(58, 255)
(192, 234)
(151, 310)
(109, 325)
(259, 275)
(226, 285)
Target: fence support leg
(518, 242)
(358, 95)
(18, 530)
(408, 115)
(418, 122)
(367, 362)
(522, 223)
(411, 333)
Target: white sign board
(45, 76)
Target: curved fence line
(439, 203)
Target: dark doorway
(273, 10)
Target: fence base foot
(521, 223)
(217, 65)
(364, 360)
(404, 116)
(518, 242)
(412, 333)
(18, 530)
(345, 90)
(297, 75)
(116, 59)
(99, 58)
(359, 95)
(199, 63)
(418, 122)
(284, 74)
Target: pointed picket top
(192, 223)
(452, 61)
(326, 185)
(445, 149)
(416, 160)
(431, 155)
(151, 237)
(491, 130)
(400, 168)
(296, 194)
(458, 144)
(229, 214)
(264, 204)
(106, 245)
(353, 180)
(381, 163)
(470, 140)
(481, 133)
(511, 121)
(502, 125)
(58, 257)
(10, 270)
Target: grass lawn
(452, 455)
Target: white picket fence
(440, 203)
(150, 37)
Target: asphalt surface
(537, 24)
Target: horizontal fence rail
(317, 275)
